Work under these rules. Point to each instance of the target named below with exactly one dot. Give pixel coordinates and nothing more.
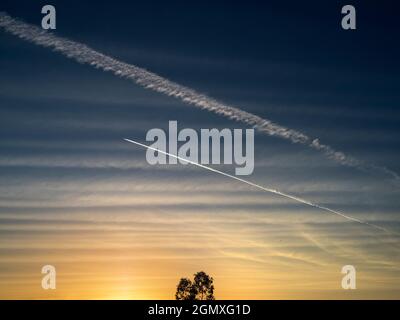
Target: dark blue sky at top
(304, 33)
(287, 61)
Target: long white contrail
(261, 187)
(86, 55)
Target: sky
(75, 195)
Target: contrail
(261, 187)
(85, 55)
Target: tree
(204, 286)
(201, 288)
(184, 290)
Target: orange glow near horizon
(130, 256)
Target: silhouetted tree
(184, 290)
(201, 288)
(204, 286)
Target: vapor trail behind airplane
(261, 187)
(85, 55)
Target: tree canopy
(201, 288)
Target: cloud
(149, 80)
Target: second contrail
(261, 187)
